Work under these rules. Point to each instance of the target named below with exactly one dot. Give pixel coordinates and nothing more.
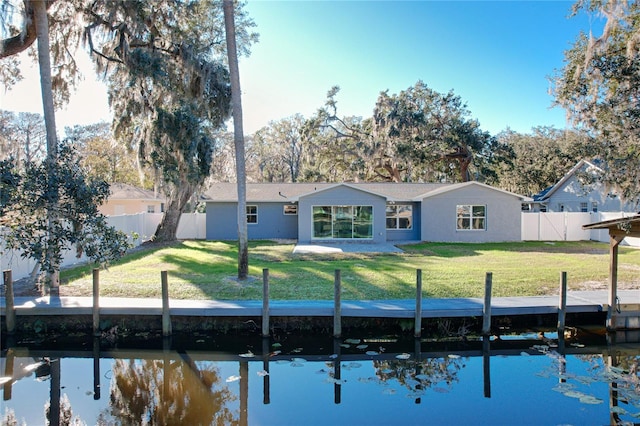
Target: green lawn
(207, 270)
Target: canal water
(528, 379)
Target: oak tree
(599, 86)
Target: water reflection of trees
(162, 392)
(419, 374)
(622, 372)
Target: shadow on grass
(204, 267)
(451, 250)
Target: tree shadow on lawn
(451, 250)
(317, 267)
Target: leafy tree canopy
(539, 159)
(25, 196)
(169, 87)
(415, 135)
(599, 86)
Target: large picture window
(252, 214)
(399, 216)
(471, 217)
(341, 222)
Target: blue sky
(495, 55)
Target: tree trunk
(46, 86)
(175, 204)
(238, 138)
(464, 169)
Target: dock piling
(337, 314)
(9, 301)
(418, 319)
(486, 309)
(166, 316)
(486, 365)
(562, 305)
(96, 302)
(96, 369)
(265, 302)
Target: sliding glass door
(342, 222)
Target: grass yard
(207, 270)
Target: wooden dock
(577, 302)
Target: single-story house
(580, 191)
(366, 212)
(129, 199)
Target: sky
(497, 56)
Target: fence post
(166, 317)
(418, 319)
(10, 311)
(265, 302)
(486, 309)
(337, 314)
(96, 302)
(562, 305)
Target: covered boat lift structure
(618, 229)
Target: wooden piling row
(337, 316)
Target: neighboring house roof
(545, 194)
(123, 191)
(540, 196)
(291, 192)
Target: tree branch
(20, 42)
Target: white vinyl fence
(192, 226)
(567, 226)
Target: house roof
(543, 195)
(123, 191)
(456, 186)
(291, 192)
(349, 185)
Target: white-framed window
(151, 208)
(252, 214)
(471, 217)
(399, 216)
(584, 207)
(290, 209)
(594, 206)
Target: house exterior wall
(503, 216)
(346, 196)
(222, 222)
(569, 197)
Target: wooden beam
(615, 238)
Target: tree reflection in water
(157, 392)
(420, 375)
